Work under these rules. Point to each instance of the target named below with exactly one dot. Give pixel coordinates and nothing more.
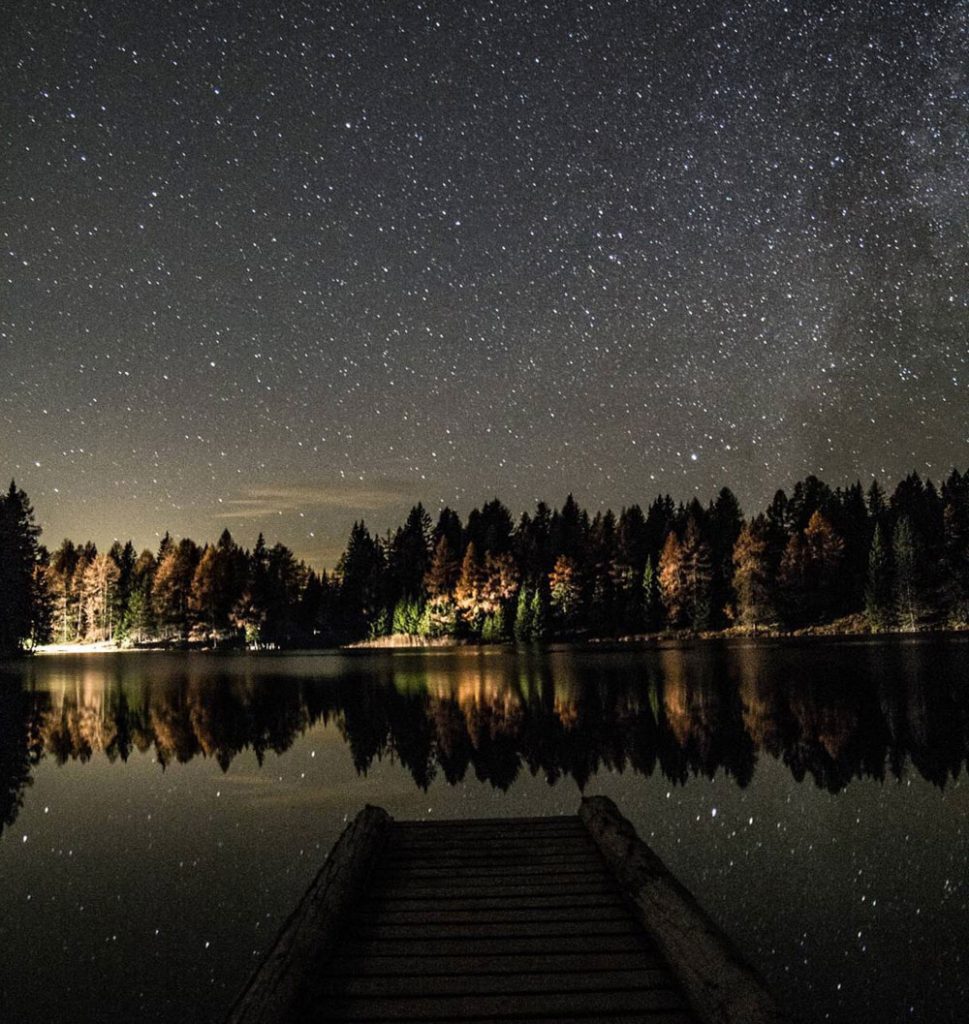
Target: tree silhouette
(25, 609)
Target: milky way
(280, 265)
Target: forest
(843, 559)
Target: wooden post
(722, 987)
(308, 937)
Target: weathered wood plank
(483, 851)
(543, 929)
(722, 987)
(399, 963)
(394, 903)
(468, 984)
(474, 865)
(310, 934)
(614, 911)
(508, 946)
(514, 1007)
(499, 887)
(536, 822)
(428, 869)
(644, 1017)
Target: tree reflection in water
(830, 713)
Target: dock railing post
(721, 986)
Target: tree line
(861, 559)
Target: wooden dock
(508, 919)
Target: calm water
(161, 813)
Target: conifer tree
(539, 612)
(672, 580)
(752, 580)
(523, 615)
(566, 592)
(24, 604)
(955, 553)
(879, 609)
(468, 592)
(697, 570)
(652, 599)
(908, 604)
(444, 570)
(172, 588)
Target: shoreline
(403, 641)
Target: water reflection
(830, 714)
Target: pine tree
(566, 592)
(539, 609)
(955, 548)
(908, 602)
(725, 522)
(652, 599)
(523, 615)
(468, 592)
(879, 605)
(24, 603)
(697, 571)
(444, 570)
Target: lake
(161, 813)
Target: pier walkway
(513, 919)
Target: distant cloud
(342, 496)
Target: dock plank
(347, 964)
(608, 911)
(498, 1007)
(507, 983)
(508, 945)
(503, 919)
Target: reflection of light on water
(559, 711)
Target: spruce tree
(879, 607)
(652, 600)
(907, 597)
(24, 604)
(523, 616)
(539, 613)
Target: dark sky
(279, 265)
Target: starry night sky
(276, 266)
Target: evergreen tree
(566, 593)
(539, 613)
(652, 598)
(24, 603)
(725, 520)
(444, 570)
(908, 598)
(408, 557)
(408, 613)
(697, 576)
(523, 616)
(360, 570)
(879, 592)
(469, 590)
(955, 548)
